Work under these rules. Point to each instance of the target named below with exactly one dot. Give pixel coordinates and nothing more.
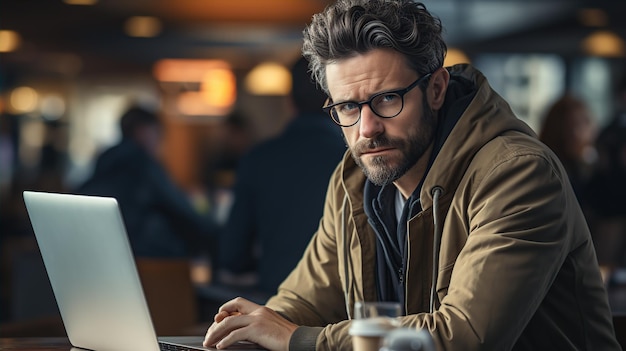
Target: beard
(382, 170)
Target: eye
(387, 98)
(348, 108)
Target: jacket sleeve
(519, 221)
(312, 295)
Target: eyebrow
(331, 101)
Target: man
(279, 190)
(159, 218)
(459, 212)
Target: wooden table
(36, 344)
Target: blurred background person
(570, 131)
(233, 140)
(159, 217)
(280, 189)
(605, 194)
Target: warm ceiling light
(80, 2)
(9, 40)
(143, 26)
(268, 78)
(193, 103)
(217, 85)
(593, 17)
(186, 71)
(219, 88)
(455, 56)
(23, 100)
(604, 43)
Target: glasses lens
(387, 105)
(335, 115)
(346, 114)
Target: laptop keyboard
(175, 346)
(163, 346)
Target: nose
(370, 124)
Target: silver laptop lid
(91, 268)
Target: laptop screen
(91, 268)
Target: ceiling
(68, 39)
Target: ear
(438, 85)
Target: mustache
(380, 141)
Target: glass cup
(377, 309)
(372, 321)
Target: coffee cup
(368, 333)
(408, 339)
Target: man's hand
(240, 319)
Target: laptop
(85, 249)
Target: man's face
(386, 149)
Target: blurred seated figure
(605, 194)
(569, 130)
(233, 140)
(159, 217)
(279, 191)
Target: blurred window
(530, 83)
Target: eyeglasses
(386, 104)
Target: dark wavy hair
(350, 27)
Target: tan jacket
(516, 268)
